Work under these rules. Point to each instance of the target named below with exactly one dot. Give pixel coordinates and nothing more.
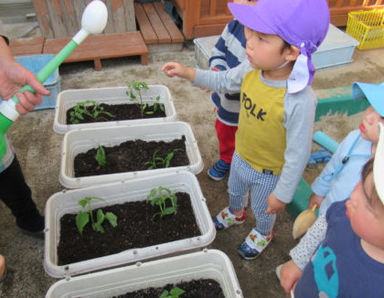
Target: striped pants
(243, 179)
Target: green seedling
(100, 156)
(173, 293)
(158, 161)
(157, 106)
(160, 196)
(135, 88)
(90, 108)
(83, 217)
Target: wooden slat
(129, 15)
(146, 29)
(43, 17)
(118, 19)
(157, 25)
(345, 10)
(191, 17)
(71, 19)
(339, 3)
(99, 47)
(174, 32)
(212, 8)
(57, 18)
(27, 46)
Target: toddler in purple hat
(277, 109)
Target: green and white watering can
(93, 21)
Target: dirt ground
(38, 149)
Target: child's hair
(373, 199)
(286, 45)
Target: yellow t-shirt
(261, 136)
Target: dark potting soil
(136, 228)
(201, 288)
(130, 156)
(120, 112)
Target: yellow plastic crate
(367, 27)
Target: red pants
(226, 137)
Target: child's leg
(226, 138)
(237, 189)
(238, 185)
(16, 194)
(260, 236)
(260, 192)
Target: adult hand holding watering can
(93, 21)
(13, 76)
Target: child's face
(369, 125)
(365, 221)
(246, 2)
(264, 51)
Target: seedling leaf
(82, 219)
(112, 218)
(101, 156)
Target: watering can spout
(93, 21)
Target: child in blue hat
(277, 109)
(339, 177)
(349, 260)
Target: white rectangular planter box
(81, 140)
(66, 202)
(116, 95)
(212, 264)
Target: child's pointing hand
(172, 69)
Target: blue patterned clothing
(228, 52)
(244, 178)
(340, 267)
(340, 176)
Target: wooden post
(191, 17)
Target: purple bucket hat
(301, 23)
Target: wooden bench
(99, 47)
(27, 46)
(157, 27)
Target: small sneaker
(254, 244)
(219, 170)
(226, 219)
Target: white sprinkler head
(94, 17)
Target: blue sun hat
(301, 23)
(374, 93)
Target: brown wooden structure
(99, 47)
(156, 30)
(208, 17)
(62, 18)
(339, 8)
(157, 27)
